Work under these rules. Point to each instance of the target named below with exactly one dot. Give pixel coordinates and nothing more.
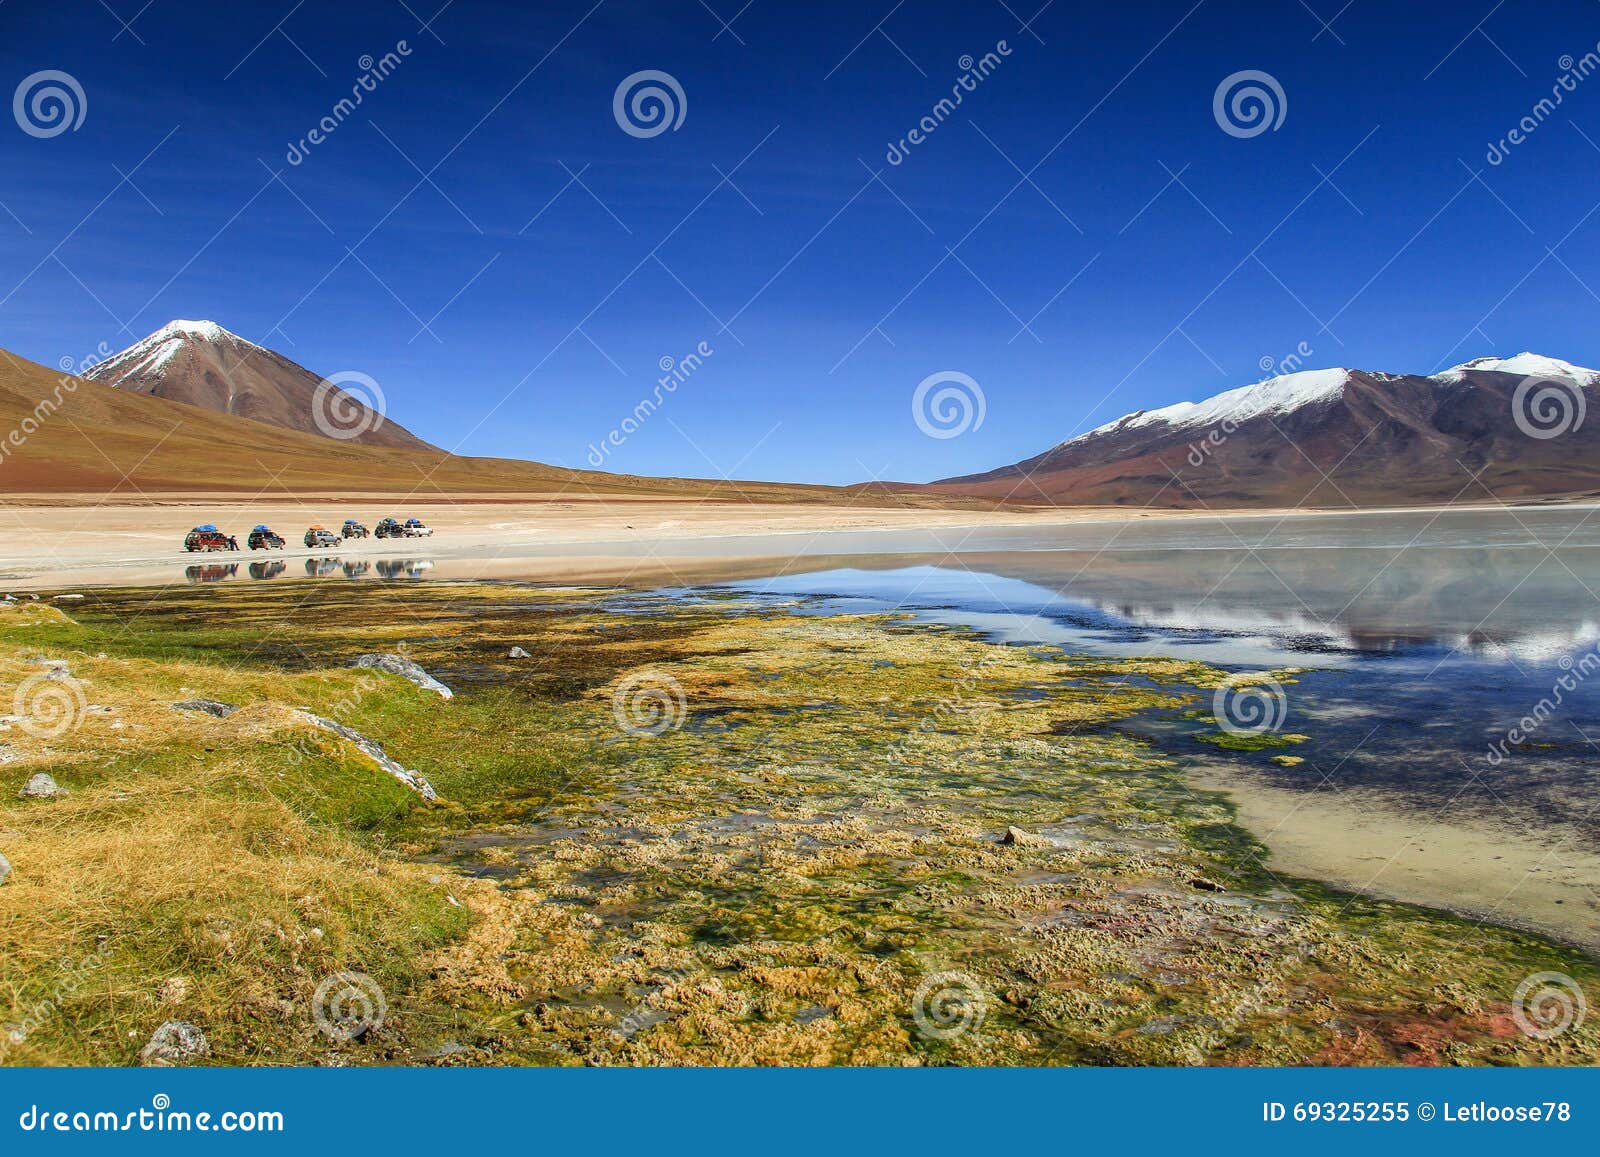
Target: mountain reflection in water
(1419, 650)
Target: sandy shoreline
(62, 541)
(1367, 843)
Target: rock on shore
(406, 669)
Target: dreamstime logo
(345, 414)
(1574, 673)
(49, 703)
(954, 708)
(674, 372)
(1248, 103)
(1573, 73)
(80, 366)
(45, 408)
(1547, 1004)
(644, 1014)
(373, 73)
(973, 73)
(303, 747)
(1248, 704)
(1546, 408)
(1273, 367)
(71, 976)
(648, 703)
(656, 104)
(948, 404)
(49, 103)
(948, 1004)
(348, 1005)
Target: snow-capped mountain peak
(1337, 438)
(201, 364)
(1279, 395)
(1290, 392)
(150, 355)
(1527, 365)
(207, 330)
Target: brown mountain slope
(61, 434)
(1487, 430)
(201, 363)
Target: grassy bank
(717, 832)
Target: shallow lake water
(1425, 637)
(1420, 640)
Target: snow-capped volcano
(1280, 395)
(149, 355)
(1526, 365)
(1335, 437)
(202, 364)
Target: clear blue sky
(826, 295)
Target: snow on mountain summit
(1333, 439)
(209, 330)
(201, 364)
(1279, 395)
(1527, 365)
(150, 354)
(1290, 392)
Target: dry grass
(770, 882)
(201, 869)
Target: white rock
(412, 779)
(406, 669)
(42, 786)
(174, 1043)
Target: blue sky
(483, 238)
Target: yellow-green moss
(812, 839)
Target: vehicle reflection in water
(393, 568)
(322, 567)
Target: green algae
(809, 853)
(1262, 741)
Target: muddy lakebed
(731, 826)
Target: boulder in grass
(42, 786)
(519, 653)
(1015, 837)
(208, 706)
(412, 779)
(174, 1043)
(5, 869)
(406, 669)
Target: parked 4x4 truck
(207, 538)
(412, 528)
(262, 538)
